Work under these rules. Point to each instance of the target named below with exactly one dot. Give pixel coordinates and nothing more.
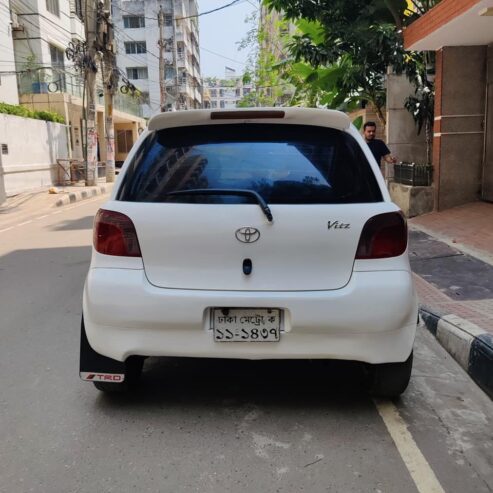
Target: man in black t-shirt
(377, 147)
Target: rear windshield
(285, 164)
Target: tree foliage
(349, 46)
(361, 36)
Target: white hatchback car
(258, 234)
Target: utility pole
(175, 55)
(110, 80)
(91, 27)
(162, 84)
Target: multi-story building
(34, 35)
(138, 33)
(8, 80)
(227, 92)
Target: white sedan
(254, 233)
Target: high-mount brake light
(114, 234)
(383, 236)
(246, 115)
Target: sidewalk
(451, 254)
(28, 204)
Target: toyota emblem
(247, 235)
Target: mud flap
(95, 367)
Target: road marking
(421, 472)
(64, 209)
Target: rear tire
(389, 379)
(133, 370)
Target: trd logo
(105, 377)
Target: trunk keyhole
(247, 266)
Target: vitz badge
(337, 225)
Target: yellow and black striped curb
(470, 346)
(83, 194)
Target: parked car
(256, 234)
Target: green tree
(364, 37)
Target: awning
(452, 23)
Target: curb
(469, 345)
(72, 197)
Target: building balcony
(52, 81)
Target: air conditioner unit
(15, 22)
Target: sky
(219, 33)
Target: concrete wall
(458, 142)
(8, 82)
(402, 138)
(33, 148)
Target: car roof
(289, 115)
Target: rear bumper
(372, 319)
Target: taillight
(383, 236)
(114, 234)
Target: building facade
(138, 33)
(39, 32)
(461, 34)
(8, 80)
(225, 93)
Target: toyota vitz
(257, 234)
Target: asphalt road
(209, 426)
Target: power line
(234, 2)
(188, 16)
(222, 56)
(136, 14)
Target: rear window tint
(285, 164)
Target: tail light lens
(114, 234)
(383, 236)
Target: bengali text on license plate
(246, 325)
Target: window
(137, 72)
(213, 93)
(78, 9)
(57, 62)
(57, 57)
(168, 20)
(222, 104)
(53, 7)
(169, 73)
(213, 104)
(133, 21)
(285, 164)
(124, 141)
(135, 47)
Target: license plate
(246, 324)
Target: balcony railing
(49, 81)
